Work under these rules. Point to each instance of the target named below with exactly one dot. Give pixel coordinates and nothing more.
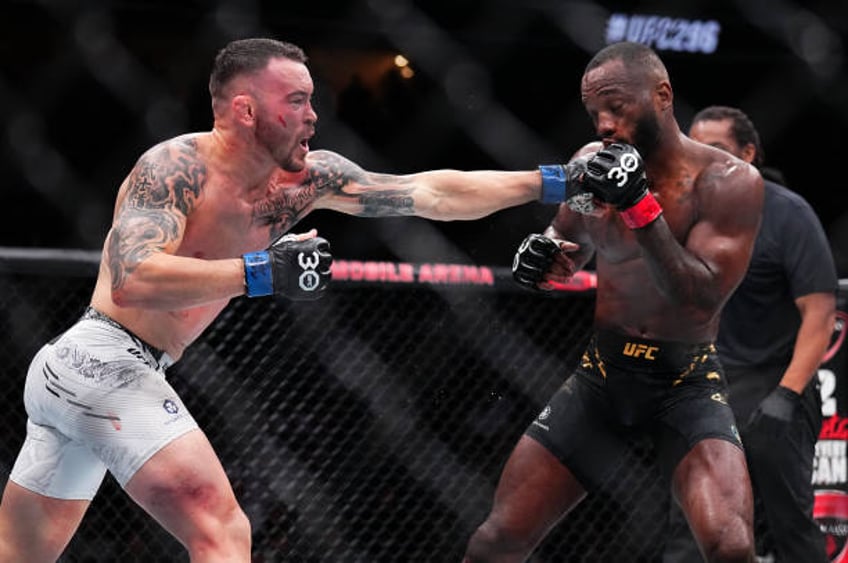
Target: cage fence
(368, 426)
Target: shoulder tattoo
(326, 172)
(162, 190)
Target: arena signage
(830, 466)
(664, 33)
(402, 273)
(356, 272)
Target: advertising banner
(830, 469)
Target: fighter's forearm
(578, 257)
(679, 275)
(164, 281)
(818, 314)
(450, 194)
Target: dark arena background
(372, 425)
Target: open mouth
(304, 141)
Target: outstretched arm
(565, 247)
(445, 195)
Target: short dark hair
(632, 54)
(742, 128)
(244, 56)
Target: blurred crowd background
(401, 86)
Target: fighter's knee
(726, 553)
(45, 549)
(492, 539)
(238, 523)
(236, 526)
(7, 552)
(732, 545)
(229, 533)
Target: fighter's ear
(748, 152)
(244, 109)
(663, 94)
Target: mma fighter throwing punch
(197, 222)
(669, 251)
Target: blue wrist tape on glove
(258, 277)
(553, 183)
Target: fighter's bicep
(138, 232)
(725, 254)
(723, 236)
(162, 190)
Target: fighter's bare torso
(711, 206)
(193, 207)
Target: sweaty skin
(184, 216)
(688, 262)
(664, 281)
(177, 204)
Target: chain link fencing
(372, 425)
(369, 426)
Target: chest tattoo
(283, 208)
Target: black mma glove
(296, 269)
(774, 413)
(563, 183)
(533, 259)
(616, 175)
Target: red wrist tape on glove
(643, 213)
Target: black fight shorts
(673, 393)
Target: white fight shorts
(96, 399)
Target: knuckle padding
(533, 259)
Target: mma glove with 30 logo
(293, 268)
(616, 175)
(533, 259)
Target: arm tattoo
(330, 174)
(379, 195)
(387, 203)
(162, 190)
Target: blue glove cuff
(258, 277)
(553, 183)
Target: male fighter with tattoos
(198, 221)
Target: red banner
(830, 466)
(442, 274)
